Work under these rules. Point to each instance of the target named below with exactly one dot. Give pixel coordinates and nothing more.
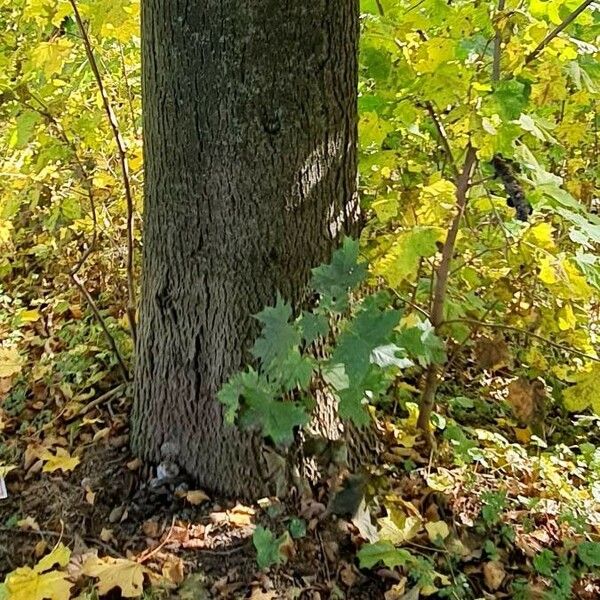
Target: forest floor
(492, 513)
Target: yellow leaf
(51, 56)
(28, 316)
(402, 260)
(566, 318)
(399, 527)
(437, 529)
(116, 572)
(59, 556)
(61, 460)
(541, 235)
(5, 469)
(11, 362)
(547, 272)
(433, 53)
(585, 392)
(26, 584)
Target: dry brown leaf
(493, 574)
(526, 399)
(135, 464)
(173, 570)
(492, 353)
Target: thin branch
(112, 119)
(412, 305)
(443, 270)
(443, 137)
(463, 182)
(111, 340)
(73, 273)
(568, 20)
(524, 332)
(497, 43)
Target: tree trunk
(250, 180)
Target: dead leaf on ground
(526, 399)
(493, 574)
(116, 572)
(492, 353)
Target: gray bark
(250, 180)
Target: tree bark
(250, 180)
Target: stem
(114, 125)
(98, 315)
(441, 288)
(443, 137)
(73, 273)
(568, 20)
(497, 44)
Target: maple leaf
(11, 362)
(39, 582)
(116, 572)
(61, 460)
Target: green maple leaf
(313, 326)
(385, 552)
(422, 343)
(279, 337)
(589, 553)
(277, 419)
(371, 328)
(510, 98)
(341, 275)
(268, 547)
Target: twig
(98, 315)
(443, 137)
(524, 332)
(412, 304)
(112, 119)
(567, 21)
(441, 288)
(85, 180)
(146, 555)
(99, 400)
(497, 43)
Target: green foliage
(589, 553)
(358, 366)
(428, 90)
(268, 547)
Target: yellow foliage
(116, 572)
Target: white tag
(3, 492)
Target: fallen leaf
(135, 464)
(173, 570)
(61, 460)
(11, 362)
(26, 584)
(6, 469)
(106, 535)
(40, 583)
(28, 524)
(196, 497)
(493, 574)
(436, 530)
(116, 572)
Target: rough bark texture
(250, 137)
